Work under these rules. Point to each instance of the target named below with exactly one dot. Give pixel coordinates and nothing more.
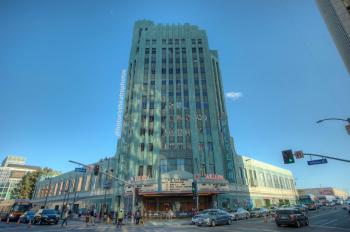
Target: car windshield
(49, 211)
(286, 212)
(20, 208)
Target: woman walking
(65, 217)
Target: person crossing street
(120, 217)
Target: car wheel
(236, 218)
(298, 224)
(306, 222)
(279, 225)
(229, 222)
(212, 223)
(246, 216)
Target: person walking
(92, 217)
(137, 217)
(87, 218)
(65, 217)
(120, 217)
(170, 214)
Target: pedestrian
(170, 214)
(137, 217)
(65, 217)
(265, 218)
(87, 218)
(120, 217)
(92, 217)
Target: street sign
(299, 154)
(319, 161)
(80, 170)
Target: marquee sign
(210, 183)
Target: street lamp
(347, 127)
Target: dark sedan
(291, 216)
(213, 218)
(46, 216)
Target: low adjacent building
(330, 191)
(12, 169)
(259, 184)
(78, 190)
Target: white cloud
(233, 95)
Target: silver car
(240, 213)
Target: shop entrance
(163, 204)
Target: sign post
(318, 161)
(80, 170)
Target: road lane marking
(331, 227)
(329, 222)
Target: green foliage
(25, 188)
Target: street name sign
(80, 170)
(319, 161)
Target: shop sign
(326, 192)
(213, 187)
(176, 185)
(214, 177)
(128, 190)
(148, 188)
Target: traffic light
(96, 169)
(288, 156)
(299, 154)
(194, 187)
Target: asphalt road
(329, 220)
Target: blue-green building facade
(175, 123)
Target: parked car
(291, 216)
(46, 216)
(27, 216)
(213, 218)
(259, 212)
(239, 213)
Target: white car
(240, 213)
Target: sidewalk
(147, 222)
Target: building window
(163, 166)
(142, 146)
(212, 169)
(80, 181)
(210, 147)
(202, 170)
(140, 170)
(150, 147)
(149, 170)
(180, 164)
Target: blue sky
(60, 65)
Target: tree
(25, 188)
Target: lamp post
(347, 127)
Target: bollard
(7, 220)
